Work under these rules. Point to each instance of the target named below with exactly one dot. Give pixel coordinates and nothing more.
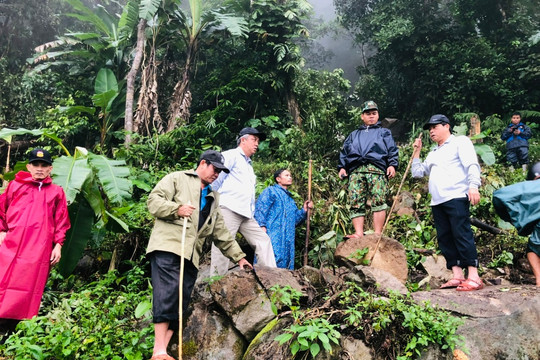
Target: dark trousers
(165, 267)
(454, 233)
(518, 155)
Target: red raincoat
(34, 215)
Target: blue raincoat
(276, 210)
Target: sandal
(452, 283)
(162, 357)
(471, 285)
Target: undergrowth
(105, 319)
(395, 327)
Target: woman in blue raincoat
(277, 214)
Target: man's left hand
(391, 172)
(243, 263)
(474, 196)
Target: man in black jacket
(369, 156)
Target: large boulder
(210, 335)
(499, 322)
(244, 296)
(367, 276)
(390, 256)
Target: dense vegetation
(152, 83)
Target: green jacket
(170, 193)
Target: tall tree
(204, 21)
(147, 10)
(444, 56)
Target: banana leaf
(82, 221)
(113, 176)
(71, 173)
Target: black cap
(252, 131)
(436, 119)
(534, 171)
(215, 158)
(40, 155)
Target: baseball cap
(436, 119)
(369, 105)
(40, 155)
(215, 158)
(252, 131)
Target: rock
(405, 204)
(209, 335)
(263, 346)
(352, 348)
(502, 322)
(390, 256)
(367, 276)
(244, 301)
(435, 266)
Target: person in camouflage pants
(369, 157)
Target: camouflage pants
(364, 186)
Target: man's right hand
(417, 148)
(185, 210)
(342, 173)
(2, 237)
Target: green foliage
(408, 326)
(284, 296)
(310, 336)
(503, 259)
(472, 47)
(106, 319)
(360, 255)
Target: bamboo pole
(181, 288)
(308, 213)
(393, 203)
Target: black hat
(436, 119)
(252, 131)
(534, 171)
(40, 155)
(215, 158)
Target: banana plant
(98, 192)
(484, 151)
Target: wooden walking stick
(308, 213)
(393, 203)
(181, 288)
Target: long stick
(181, 289)
(308, 213)
(394, 203)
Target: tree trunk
(294, 108)
(181, 99)
(130, 81)
(147, 116)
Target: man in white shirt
(454, 178)
(237, 202)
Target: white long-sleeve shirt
(452, 167)
(237, 189)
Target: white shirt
(452, 167)
(237, 188)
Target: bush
(106, 319)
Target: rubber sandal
(470, 285)
(352, 236)
(452, 283)
(162, 357)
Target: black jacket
(369, 145)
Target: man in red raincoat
(33, 224)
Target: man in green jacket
(179, 195)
